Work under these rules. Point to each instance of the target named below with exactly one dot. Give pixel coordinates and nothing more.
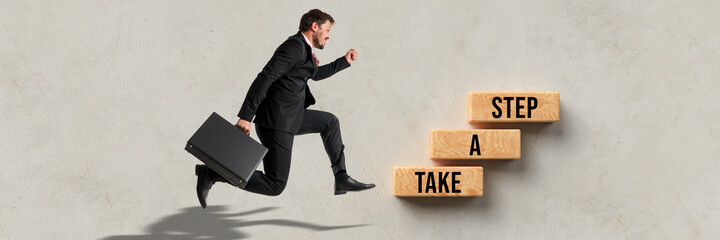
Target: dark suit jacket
(279, 94)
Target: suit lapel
(312, 59)
(309, 55)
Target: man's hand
(351, 55)
(244, 126)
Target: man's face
(321, 34)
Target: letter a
(430, 183)
(475, 145)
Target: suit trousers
(277, 160)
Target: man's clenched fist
(351, 55)
(244, 126)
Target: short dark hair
(312, 16)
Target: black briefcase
(226, 149)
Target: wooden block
(438, 181)
(475, 144)
(513, 107)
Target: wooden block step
(438, 181)
(513, 107)
(475, 144)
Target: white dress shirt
(308, 42)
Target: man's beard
(316, 41)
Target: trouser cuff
(339, 167)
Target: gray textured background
(98, 98)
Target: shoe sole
(341, 192)
(199, 168)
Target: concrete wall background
(98, 99)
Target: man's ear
(315, 27)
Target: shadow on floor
(215, 223)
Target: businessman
(277, 103)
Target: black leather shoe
(204, 183)
(351, 185)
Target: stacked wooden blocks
(476, 144)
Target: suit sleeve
(285, 57)
(329, 69)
